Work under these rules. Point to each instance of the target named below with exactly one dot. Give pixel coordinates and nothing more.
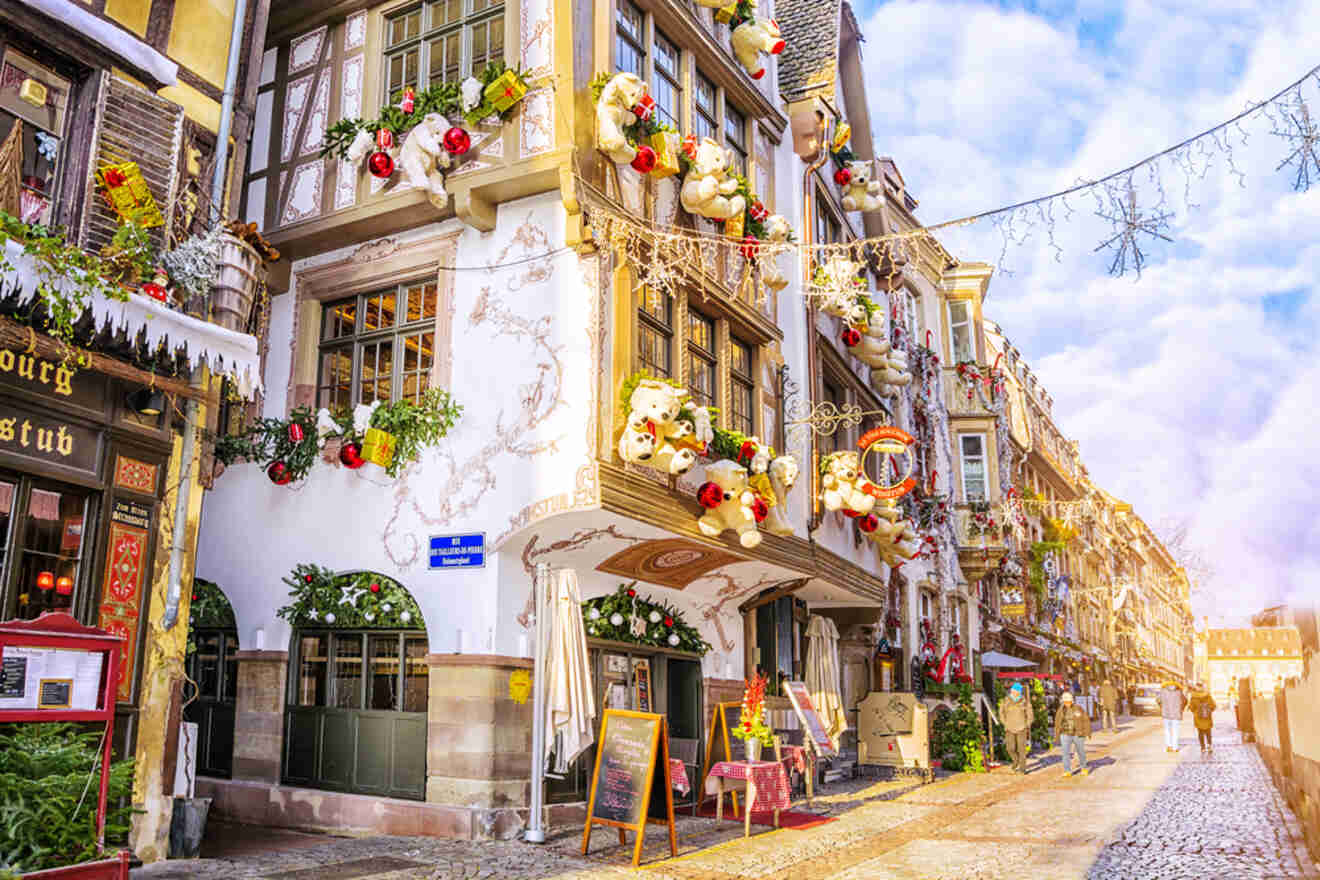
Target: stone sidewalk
(1141, 813)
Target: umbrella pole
(535, 833)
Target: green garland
(322, 598)
(270, 440)
(597, 616)
(443, 98)
(1036, 567)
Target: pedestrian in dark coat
(1108, 703)
(1203, 714)
(1016, 714)
(1071, 727)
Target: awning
(1026, 642)
(996, 660)
(135, 54)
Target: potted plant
(192, 268)
(752, 729)
(240, 272)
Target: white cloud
(1192, 391)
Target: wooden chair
(685, 750)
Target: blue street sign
(458, 551)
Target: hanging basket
(239, 273)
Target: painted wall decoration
(121, 601)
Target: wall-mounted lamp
(147, 402)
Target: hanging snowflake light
(1129, 223)
(1303, 135)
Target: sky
(1193, 391)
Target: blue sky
(1192, 391)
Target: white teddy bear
(424, 157)
(844, 484)
(708, 190)
(614, 110)
(862, 193)
(874, 348)
(777, 231)
(892, 375)
(654, 435)
(894, 537)
(783, 472)
(362, 144)
(753, 37)
(837, 285)
(734, 510)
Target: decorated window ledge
(839, 284)
(418, 132)
(847, 487)
(389, 435)
(625, 616)
(319, 597)
(746, 484)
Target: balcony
(966, 399)
(980, 546)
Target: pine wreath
(361, 600)
(664, 624)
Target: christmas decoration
(129, 196)
(735, 509)
(662, 429)
(780, 475)
(665, 145)
(861, 193)
(318, 594)
(506, 90)
(350, 455)
(279, 473)
(843, 485)
(843, 176)
(457, 141)
(777, 231)
(296, 433)
(409, 100)
(1129, 222)
(709, 495)
(850, 337)
(380, 165)
(708, 188)
(609, 616)
(752, 37)
(644, 161)
(614, 115)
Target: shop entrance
(213, 668)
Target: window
(972, 447)
(910, 313)
(779, 637)
(828, 228)
(666, 85)
(735, 138)
(925, 606)
(701, 364)
(655, 334)
(704, 121)
(960, 331)
(357, 670)
(441, 42)
(630, 40)
(45, 525)
(832, 393)
(42, 127)
(377, 346)
(742, 388)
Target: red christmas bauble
(380, 164)
(709, 495)
(350, 456)
(843, 177)
(644, 161)
(851, 336)
(868, 523)
(457, 141)
(307, 578)
(295, 432)
(632, 593)
(669, 621)
(278, 473)
(194, 598)
(155, 291)
(760, 510)
(375, 588)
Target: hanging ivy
(624, 616)
(319, 597)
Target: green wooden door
(355, 719)
(214, 671)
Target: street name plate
(458, 551)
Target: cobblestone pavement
(1141, 813)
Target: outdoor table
(678, 779)
(767, 788)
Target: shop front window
(44, 525)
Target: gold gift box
(132, 199)
(725, 14)
(506, 91)
(735, 226)
(378, 447)
(665, 144)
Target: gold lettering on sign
(46, 440)
(25, 366)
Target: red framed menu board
(55, 669)
(806, 712)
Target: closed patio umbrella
(823, 674)
(570, 704)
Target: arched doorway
(355, 711)
(213, 668)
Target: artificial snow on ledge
(224, 352)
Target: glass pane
(706, 96)
(668, 98)
(735, 127)
(415, 295)
(630, 20)
(479, 46)
(428, 301)
(385, 366)
(379, 313)
(666, 56)
(312, 660)
(742, 358)
(701, 384)
(971, 445)
(384, 687)
(426, 346)
(229, 683)
(339, 319)
(348, 671)
(742, 408)
(415, 676)
(446, 12)
(701, 331)
(660, 307)
(405, 27)
(412, 387)
(653, 350)
(410, 353)
(208, 665)
(628, 58)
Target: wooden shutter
(133, 125)
(11, 169)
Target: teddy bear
(777, 231)
(844, 483)
(362, 144)
(892, 375)
(837, 282)
(862, 193)
(423, 156)
(734, 507)
(751, 38)
(783, 473)
(895, 538)
(655, 435)
(708, 190)
(614, 110)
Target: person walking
(1172, 704)
(1071, 728)
(1016, 715)
(1203, 715)
(1108, 704)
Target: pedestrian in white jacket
(1172, 703)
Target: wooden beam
(16, 337)
(777, 593)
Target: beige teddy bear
(783, 473)
(862, 193)
(708, 190)
(614, 110)
(777, 231)
(894, 537)
(654, 434)
(734, 510)
(751, 38)
(844, 483)
(424, 157)
(893, 375)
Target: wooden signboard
(642, 685)
(892, 731)
(630, 785)
(806, 711)
(723, 718)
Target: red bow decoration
(114, 178)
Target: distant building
(1301, 616)
(1269, 655)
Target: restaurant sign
(53, 380)
(43, 438)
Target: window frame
(666, 329)
(364, 636)
(638, 43)
(969, 323)
(672, 79)
(708, 356)
(962, 466)
(468, 20)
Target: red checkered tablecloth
(795, 757)
(771, 782)
(678, 776)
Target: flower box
(505, 91)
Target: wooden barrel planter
(239, 274)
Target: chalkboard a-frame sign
(632, 772)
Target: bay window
(972, 455)
(448, 40)
(960, 331)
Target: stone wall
(259, 715)
(1287, 727)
